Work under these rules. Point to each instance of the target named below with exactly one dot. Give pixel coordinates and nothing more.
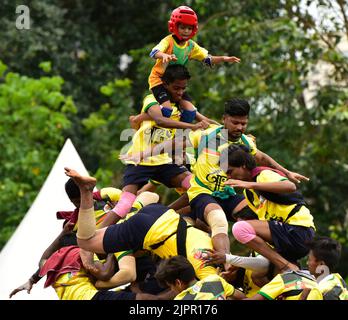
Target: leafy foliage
(33, 120)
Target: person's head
(73, 192)
(324, 251)
(183, 23)
(175, 79)
(236, 116)
(176, 273)
(240, 162)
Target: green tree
(33, 120)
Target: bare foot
(82, 181)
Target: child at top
(178, 48)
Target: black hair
(237, 107)
(177, 267)
(239, 156)
(326, 249)
(72, 189)
(175, 72)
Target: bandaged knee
(145, 198)
(86, 224)
(217, 221)
(186, 182)
(124, 204)
(243, 232)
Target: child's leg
(162, 97)
(188, 113)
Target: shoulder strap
(181, 237)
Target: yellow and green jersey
(209, 146)
(189, 50)
(212, 287)
(267, 209)
(164, 229)
(249, 287)
(290, 285)
(150, 134)
(333, 287)
(75, 286)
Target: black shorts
(290, 241)
(130, 234)
(140, 175)
(162, 95)
(199, 203)
(114, 295)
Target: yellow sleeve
(148, 102)
(113, 193)
(195, 138)
(198, 53)
(272, 289)
(228, 288)
(162, 46)
(269, 176)
(250, 143)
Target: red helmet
(185, 15)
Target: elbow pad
(188, 116)
(166, 112)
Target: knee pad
(188, 116)
(186, 182)
(217, 221)
(243, 232)
(86, 224)
(124, 204)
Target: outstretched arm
(219, 59)
(284, 186)
(54, 246)
(265, 160)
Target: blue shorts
(140, 175)
(291, 241)
(130, 234)
(199, 203)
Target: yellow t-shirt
(333, 287)
(165, 227)
(268, 210)
(289, 286)
(249, 287)
(210, 146)
(189, 50)
(150, 134)
(107, 194)
(210, 288)
(75, 286)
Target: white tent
(39, 227)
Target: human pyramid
(125, 245)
